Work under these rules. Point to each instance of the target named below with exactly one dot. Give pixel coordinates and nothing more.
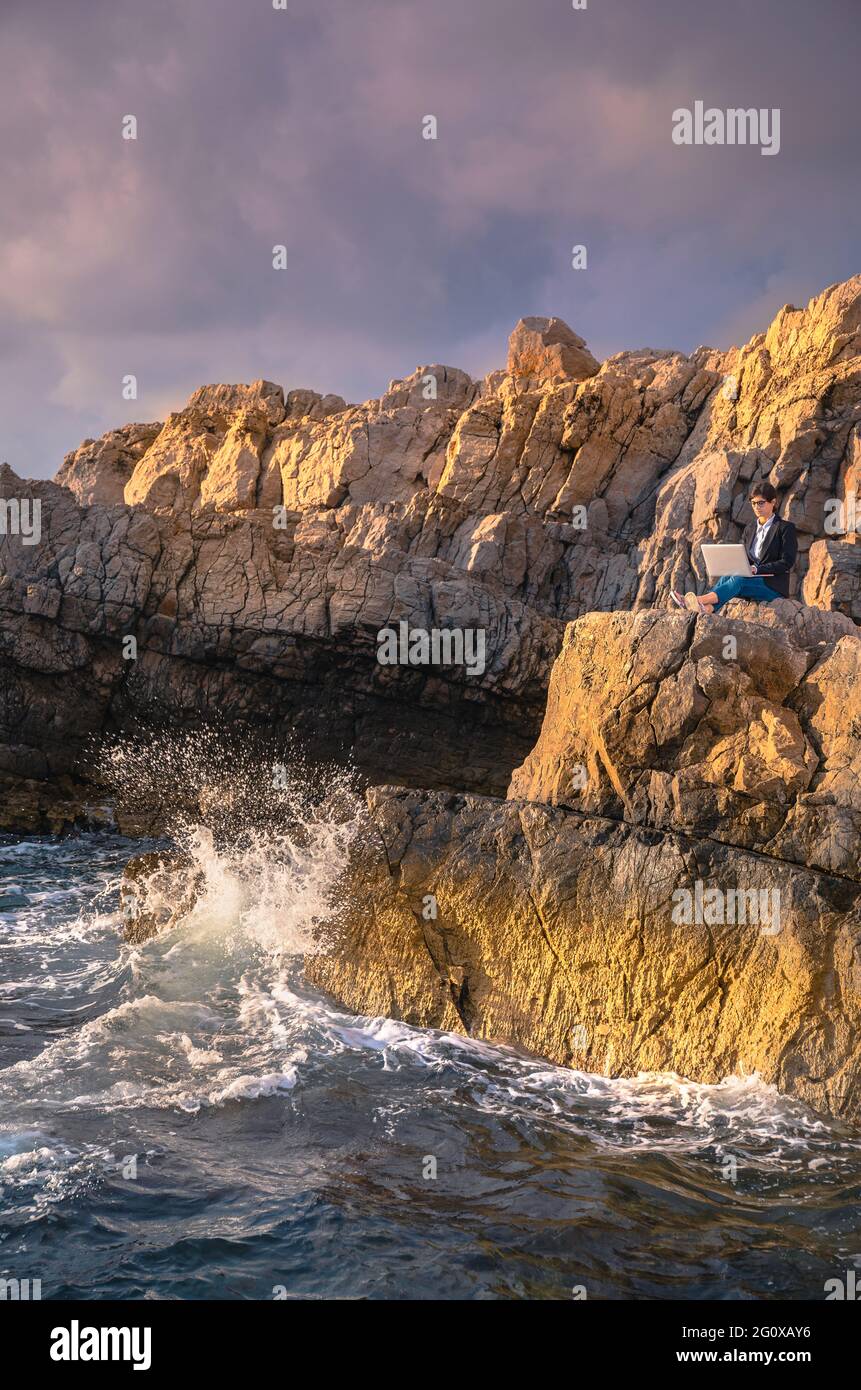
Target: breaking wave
(203, 1061)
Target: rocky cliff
(674, 882)
(254, 545)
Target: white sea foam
(214, 1014)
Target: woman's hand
(753, 569)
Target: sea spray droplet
(249, 851)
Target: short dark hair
(764, 490)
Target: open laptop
(726, 559)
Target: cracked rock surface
(251, 548)
(721, 727)
(675, 751)
(254, 544)
(553, 930)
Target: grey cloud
(259, 127)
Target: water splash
(203, 1056)
(240, 785)
(260, 835)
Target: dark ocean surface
(188, 1120)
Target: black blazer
(778, 557)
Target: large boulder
(833, 578)
(548, 350)
(806, 627)
(601, 946)
(674, 883)
(717, 727)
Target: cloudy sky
(259, 127)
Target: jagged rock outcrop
(98, 470)
(787, 408)
(263, 540)
(674, 882)
(740, 731)
(546, 350)
(235, 620)
(555, 931)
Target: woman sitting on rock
(771, 547)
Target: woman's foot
(678, 599)
(693, 605)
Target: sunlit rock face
(603, 760)
(674, 882)
(97, 471)
(600, 945)
(256, 543)
(746, 732)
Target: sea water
(188, 1119)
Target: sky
(303, 127)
